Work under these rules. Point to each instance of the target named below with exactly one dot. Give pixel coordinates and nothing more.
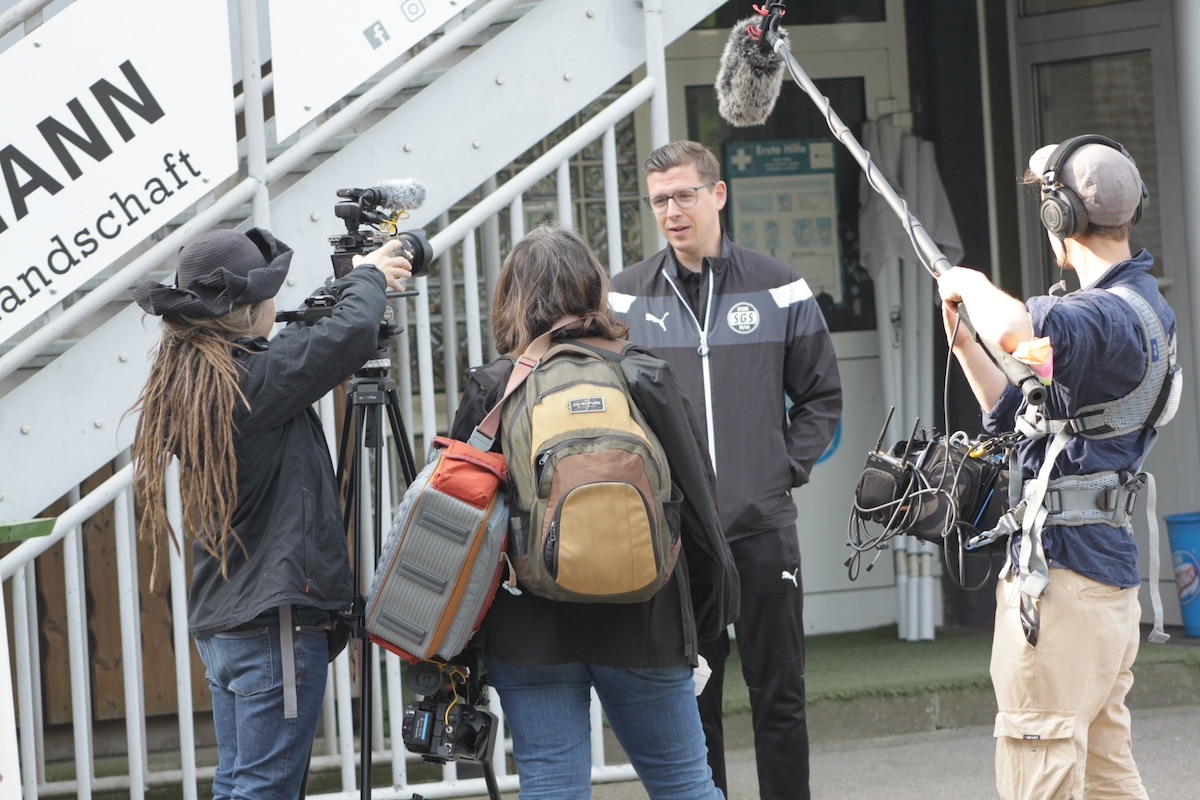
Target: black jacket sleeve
(711, 571)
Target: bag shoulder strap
(484, 434)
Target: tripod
(368, 395)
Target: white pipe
(395, 700)
(926, 592)
(35, 653)
(131, 651)
(180, 635)
(449, 306)
(425, 362)
(77, 647)
(566, 215)
(10, 19)
(656, 68)
(404, 382)
(328, 715)
(612, 201)
(253, 114)
(489, 242)
(889, 319)
(516, 219)
(345, 700)
(912, 548)
(31, 736)
(901, 563)
(474, 316)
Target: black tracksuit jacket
(760, 373)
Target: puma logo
(790, 576)
(662, 323)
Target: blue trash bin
(1183, 532)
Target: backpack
(597, 520)
(443, 558)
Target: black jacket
(701, 597)
(288, 513)
(764, 345)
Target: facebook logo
(376, 35)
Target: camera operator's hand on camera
(395, 268)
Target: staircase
(468, 113)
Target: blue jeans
(261, 754)
(652, 712)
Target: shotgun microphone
(394, 195)
(751, 74)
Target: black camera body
(439, 729)
(445, 725)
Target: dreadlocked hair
(186, 411)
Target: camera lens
(417, 250)
(423, 678)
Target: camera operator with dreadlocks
(271, 571)
(1067, 610)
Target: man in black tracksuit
(750, 348)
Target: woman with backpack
(542, 656)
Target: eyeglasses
(684, 198)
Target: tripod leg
(365, 399)
(489, 776)
(407, 463)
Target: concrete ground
(956, 763)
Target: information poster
(783, 202)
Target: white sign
(118, 115)
(322, 49)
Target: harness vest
(1105, 498)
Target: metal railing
(338, 750)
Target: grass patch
(875, 663)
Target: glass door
(1109, 70)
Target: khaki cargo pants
(1062, 728)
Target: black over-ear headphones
(1062, 211)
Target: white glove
(701, 674)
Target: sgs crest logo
(743, 318)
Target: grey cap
(1105, 179)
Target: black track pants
(770, 641)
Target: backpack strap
(1144, 406)
(484, 434)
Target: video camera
(379, 208)
(370, 216)
(445, 724)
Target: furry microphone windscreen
(402, 194)
(749, 79)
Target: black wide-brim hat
(219, 270)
